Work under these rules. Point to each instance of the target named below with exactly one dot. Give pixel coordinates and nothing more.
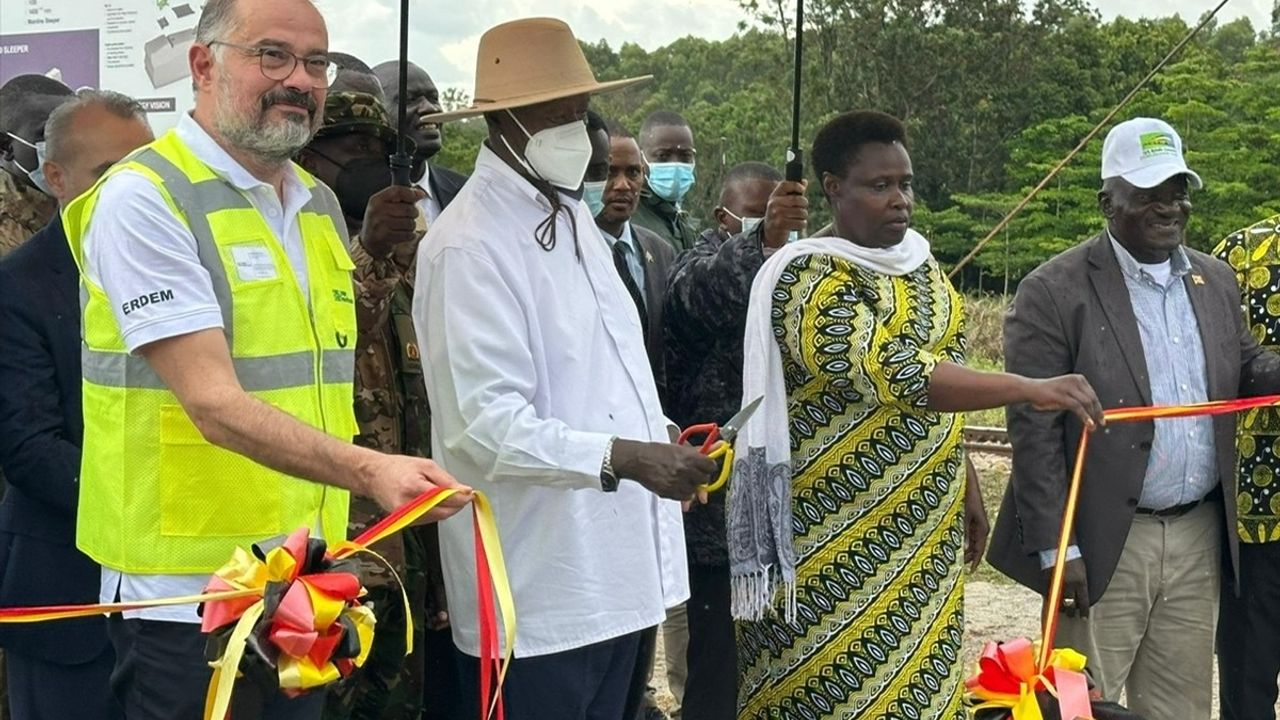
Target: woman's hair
(837, 144)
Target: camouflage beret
(356, 112)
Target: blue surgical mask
(36, 175)
(671, 180)
(593, 195)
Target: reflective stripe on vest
(155, 496)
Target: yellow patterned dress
(877, 500)
(1254, 253)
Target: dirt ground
(995, 607)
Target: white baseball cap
(1145, 152)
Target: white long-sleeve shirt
(534, 360)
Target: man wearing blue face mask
(542, 395)
(666, 140)
(26, 205)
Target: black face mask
(358, 181)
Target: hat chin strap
(522, 162)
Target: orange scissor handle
(711, 430)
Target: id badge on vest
(254, 262)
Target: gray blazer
(1073, 315)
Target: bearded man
(218, 350)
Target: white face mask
(36, 174)
(559, 155)
(748, 223)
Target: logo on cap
(1157, 143)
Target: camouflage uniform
(706, 314)
(23, 211)
(391, 409)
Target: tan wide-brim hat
(530, 61)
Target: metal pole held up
(402, 162)
(795, 157)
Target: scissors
(718, 444)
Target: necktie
(620, 250)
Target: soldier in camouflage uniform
(390, 405)
(706, 313)
(25, 104)
(23, 211)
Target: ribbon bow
(307, 629)
(295, 608)
(1007, 678)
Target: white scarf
(761, 549)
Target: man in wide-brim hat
(542, 394)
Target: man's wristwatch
(608, 478)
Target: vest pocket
(206, 491)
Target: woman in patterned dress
(847, 496)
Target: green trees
(994, 93)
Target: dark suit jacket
(1073, 315)
(658, 259)
(41, 429)
(444, 183)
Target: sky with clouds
(443, 41)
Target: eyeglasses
(278, 63)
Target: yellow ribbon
(488, 527)
(1022, 704)
(246, 579)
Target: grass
(984, 322)
(993, 476)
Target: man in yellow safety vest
(219, 331)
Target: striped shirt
(1182, 466)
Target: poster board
(136, 47)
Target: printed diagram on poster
(166, 53)
(137, 47)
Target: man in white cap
(542, 394)
(1148, 321)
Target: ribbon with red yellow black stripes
(314, 623)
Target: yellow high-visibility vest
(155, 496)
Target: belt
(1183, 509)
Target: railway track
(992, 440)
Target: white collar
(488, 161)
(425, 181)
(628, 236)
(207, 149)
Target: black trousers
(42, 690)
(161, 674)
(1249, 636)
(640, 694)
(712, 688)
(440, 693)
(588, 683)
